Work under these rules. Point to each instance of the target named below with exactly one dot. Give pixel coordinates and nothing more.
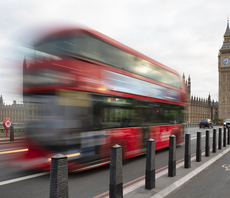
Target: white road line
(22, 178)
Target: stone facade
(199, 108)
(224, 76)
(18, 113)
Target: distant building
(18, 113)
(224, 76)
(199, 108)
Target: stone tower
(224, 76)
(1, 101)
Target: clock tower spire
(227, 32)
(226, 46)
(224, 75)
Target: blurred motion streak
(87, 92)
(13, 151)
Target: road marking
(14, 151)
(226, 166)
(22, 178)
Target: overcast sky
(183, 35)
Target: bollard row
(207, 147)
(59, 177)
(187, 155)
(150, 165)
(220, 139)
(214, 141)
(172, 156)
(59, 166)
(11, 133)
(116, 184)
(224, 139)
(228, 138)
(198, 147)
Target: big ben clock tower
(224, 76)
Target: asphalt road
(91, 183)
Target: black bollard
(220, 139)
(207, 147)
(116, 184)
(150, 165)
(214, 141)
(198, 147)
(172, 156)
(224, 139)
(187, 155)
(59, 177)
(11, 133)
(228, 136)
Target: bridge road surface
(16, 182)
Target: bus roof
(63, 31)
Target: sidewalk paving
(174, 186)
(7, 139)
(213, 182)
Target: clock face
(225, 61)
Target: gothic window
(228, 78)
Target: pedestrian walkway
(214, 182)
(186, 181)
(7, 139)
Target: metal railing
(18, 131)
(188, 125)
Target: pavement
(208, 178)
(5, 140)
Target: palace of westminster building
(196, 109)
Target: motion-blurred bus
(94, 92)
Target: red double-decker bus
(94, 92)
